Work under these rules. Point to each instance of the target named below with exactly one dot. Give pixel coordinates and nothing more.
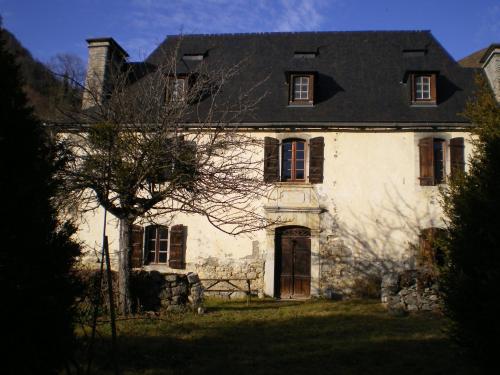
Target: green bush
(37, 254)
(471, 277)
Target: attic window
(414, 52)
(301, 89)
(193, 56)
(305, 55)
(423, 88)
(176, 88)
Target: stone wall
(411, 291)
(251, 268)
(153, 291)
(336, 269)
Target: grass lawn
(271, 337)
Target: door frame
(278, 259)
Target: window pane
(151, 245)
(151, 257)
(162, 232)
(286, 174)
(163, 245)
(300, 87)
(422, 87)
(299, 175)
(162, 258)
(299, 164)
(300, 146)
(287, 165)
(438, 161)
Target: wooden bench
(231, 286)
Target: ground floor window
(159, 244)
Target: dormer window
(177, 89)
(423, 88)
(193, 57)
(301, 89)
(305, 55)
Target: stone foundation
(171, 292)
(246, 268)
(411, 291)
(336, 269)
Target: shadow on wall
(354, 258)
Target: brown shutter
(426, 240)
(177, 258)
(311, 88)
(426, 148)
(316, 159)
(137, 246)
(271, 159)
(457, 159)
(412, 93)
(433, 87)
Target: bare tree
(65, 90)
(161, 144)
(69, 67)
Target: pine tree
(36, 252)
(472, 205)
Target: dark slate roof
(360, 75)
(473, 60)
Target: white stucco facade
(364, 217)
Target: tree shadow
(373, 245)
(339, 341)
(271, 304)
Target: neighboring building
(360, 131)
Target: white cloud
(152, 20)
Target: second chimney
(105, 55)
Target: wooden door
(293, 261)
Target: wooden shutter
(433, 83)
(457, 159)
(426, 240)
(271, 159)
(316, 159)
(137, 246)
(177, 257)
(426, 148)
(149, 250)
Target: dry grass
(270, 337)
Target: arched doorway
(293, 262)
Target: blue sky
(48, 27)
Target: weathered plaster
(363, 218)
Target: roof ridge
(263, 33)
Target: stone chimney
(105, 55)
(491, 66)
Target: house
(360, 131)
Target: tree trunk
(125, 250)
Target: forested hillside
(52, 90)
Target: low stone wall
(171, 292)
(413, 290)
(180, 292)
(247, 268)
